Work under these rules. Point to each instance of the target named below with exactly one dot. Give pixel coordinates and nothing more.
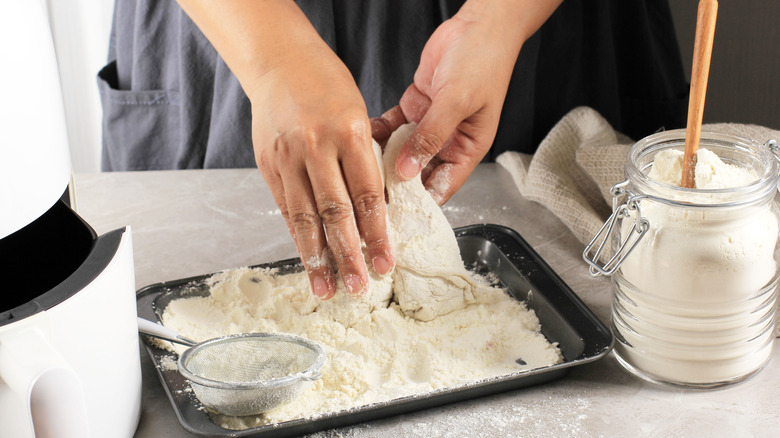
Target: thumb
(436, 126)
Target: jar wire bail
(639, 227)
(774, 148)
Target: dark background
(744, 83)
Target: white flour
(168, 363)
(384, 355)
(710, 171)
(429, 325)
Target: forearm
(514, 21)
(255, 36)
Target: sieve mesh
(250, 360)
(251, 373)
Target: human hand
(312, 142)
(310, 133)
(458, 91)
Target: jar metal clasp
(774, 148)
(600, 240)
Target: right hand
(312, 142)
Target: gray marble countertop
(188, 223)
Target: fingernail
(409, 167)
(353, 284)
(382, 265)
(319, 287)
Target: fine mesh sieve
(245, 374)
(251, 373)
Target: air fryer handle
(34, 370)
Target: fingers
(349, 200)
(383, 126)
(362, 174)
(438, 121)
(414, 104)
(445, 179)
(284, 169)
(333, 207)
(274, 181)
(300, 210)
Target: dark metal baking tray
(493, 249)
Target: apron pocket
(141, 129)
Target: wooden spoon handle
(702, 53)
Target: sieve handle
(161, 332)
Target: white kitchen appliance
(69, 352)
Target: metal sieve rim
(310, 373)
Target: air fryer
(38, 257)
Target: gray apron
(170, 102)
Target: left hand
(459, 90)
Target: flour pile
(429, 325)
(710, 172)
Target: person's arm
(311, 135)
(459, 89)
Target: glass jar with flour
(694, 271)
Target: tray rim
(593, 351)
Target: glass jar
(694, 271)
